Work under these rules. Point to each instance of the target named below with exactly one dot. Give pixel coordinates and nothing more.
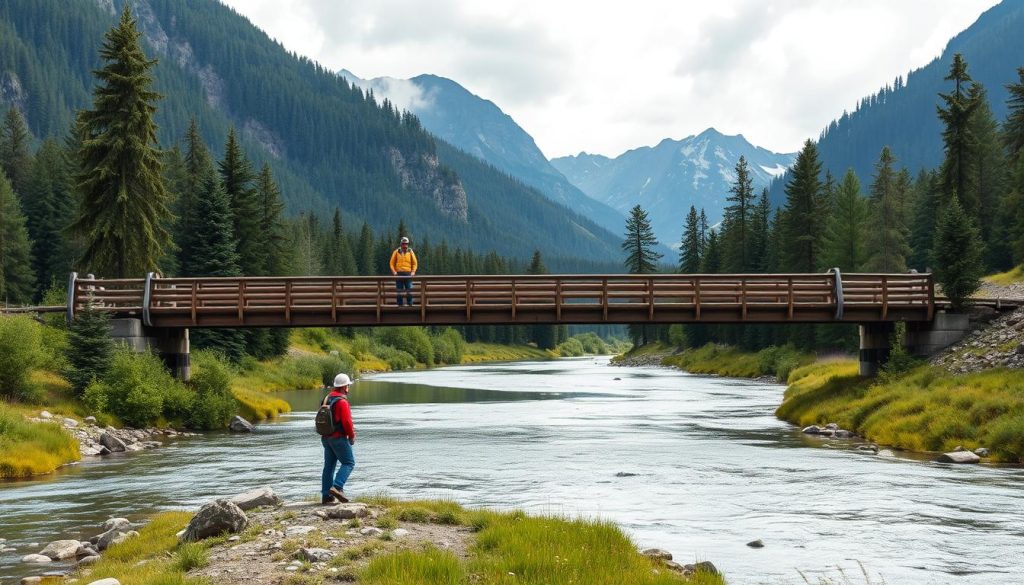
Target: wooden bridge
(522, 299)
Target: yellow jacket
(403, 262)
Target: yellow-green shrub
(20, 351)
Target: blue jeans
(404, 284)
(336, 451)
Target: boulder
(263, 496)
(45, 415)
(674, 566)
(214, 518)
(981, 452)
(658, 554)
(844, 434)
(86, 550)
(756, 543)
(347, 511)
(704, 567)
(832, 427)
(107, 581)
(112, 443)
(399, 533)
(70, 423)
(314, 555)
(959, 457)
(86, 561)
(113, 523)
(59, 550)
(240, 425)
(36, 559)
(90, 420)
(812, 430)
(31, 580)
(371, 531)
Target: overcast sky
(605, 77)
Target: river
(696, 465)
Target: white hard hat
(404, 240)
(341, 380)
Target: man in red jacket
(338, 446)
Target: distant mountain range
(668, 178)
(902, 116)
(480, 128)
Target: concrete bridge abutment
(875, 346)
(170, 344)
(920, 339)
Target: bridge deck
(464, 300)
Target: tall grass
(1012, 276)
(28, 448)
(926, 409)
(153, 557)
(725, 360)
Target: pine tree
(760, 228)
(339, 260)
(545, 336)
(847, 229)
(198, 162)
(712, 263)
(887, 247)
(1013, 127)
(365, 258)
(124, 206)
(176, 181)
(959, 174)
(924, 209)
(17, 282)
(90, 347)
(689, 251)
(272, 243)
(802, 220)
(736, 233)
(639, 243)
(957, 254)
(990, 173)
(49, 204)
(238, 179)
(15, 153)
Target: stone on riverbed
(844, 434)
(314, 555)
(45, 415)
(112, 523)
(59, 550)
(347, 511)
(981, 452)
(90, 420)
(959, 457)
(215, 518)
(812, 430)
(36, 559)
(112, 443)
(756, 543)
(263, 496)
(240, 425)
(658, 554)
(86, 561)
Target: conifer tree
(959, 174)
(238, 179)
(1013, 127)
(124, 206)
(15, 152)
(736, 233)
(17, 282)
(847, 228)
(887, 247)
(197, 163)
(639, 243)
(176, 182)
(689, 251)
(272, 243)
(90, 347)
(924, 209)
(49, 205)
(990, 174)
(802, 220)
(712, 263)
(545, 336)
(365, 252)
(760, 226)
(340, 259)
(957, 254)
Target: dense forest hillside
(902, 116)
(328, 143)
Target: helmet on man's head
(342, 380)
(404, 240)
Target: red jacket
(343, 415)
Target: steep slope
(668, 178)
(479, 127)
(328, 142)
(903, 116)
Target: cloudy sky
(605, 77)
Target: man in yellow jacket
(403, 265)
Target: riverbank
(773, 363)
(255, 538)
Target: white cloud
(606, 77)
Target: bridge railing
(282, 301)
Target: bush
(134, 388)
(396, 359)
(213, 404)
(362, 346)
(592, 344)
(20, 351)
(334, 364)
(317, 338)
(570, 348)
(412, 340)
(449, 346)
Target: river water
(696, 465)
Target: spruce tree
(198, 163)
(760, 227)
(365, 252)
(712, 263)
(49, 204)
(990, 173)
(887, 247)
(736, 236)
(959, 174)
(639, 243)
(802, 220)
(15, 151)
(924, 210)
(90, 347)
(957, 254)
(689, 251)
(124, 206)
(176, 181)
(238, 179)
(272, 244)
(545, 336)
(1013, 127)
(847, 228)
(17, 282)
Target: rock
(45, 415)
(59, 550)
(958, 457)
(113, 523)
(263, 496)
(90, 420)
(399, 532)
(107, 581)
(235, 538)
(812, 430)
(371, 531)
(844, 434)
(626, 474)
(704, 567)
(981, 452)
(299, 530)
(871, 448)
(756, 543)
(674, 566)
(959, 448)
(104, 451)
(110, 537)
(112, 443)
(214, 518)
(85, 550)
(86, 561)
(36, 559)
(314, 555)
(240, 425)
(70, 422)
(347, 511)
(832, 427)
(658, 554)
(617, 379)
(31, 580)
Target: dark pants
(406, 285)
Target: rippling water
(693, 464)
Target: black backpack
(325, 425)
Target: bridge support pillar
(875, 346)
(170, 344)
(924, 339)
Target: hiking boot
(339, 495)
(326, 500)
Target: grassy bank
(28, 448)
(722, 360)
(925, 409)
(1012, 276)
(500, 547)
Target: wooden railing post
(558, 300)
(789, 297)
(650, 298)
(469, 299)
(743, 298)
(288, 301)
(604, 299)
(885, 297)
(515, 299)
(380, 297)
(334, 300)
(195, 301)
(241, 302)
(696, 298)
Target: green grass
(655, 348)
(28, 448)
(493, 352)
(1012, 276)
(724, 360)
(154, 557)
(925, 409)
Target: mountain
(479, 127)
(329, 143)
(668, 178)
(902, 116)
